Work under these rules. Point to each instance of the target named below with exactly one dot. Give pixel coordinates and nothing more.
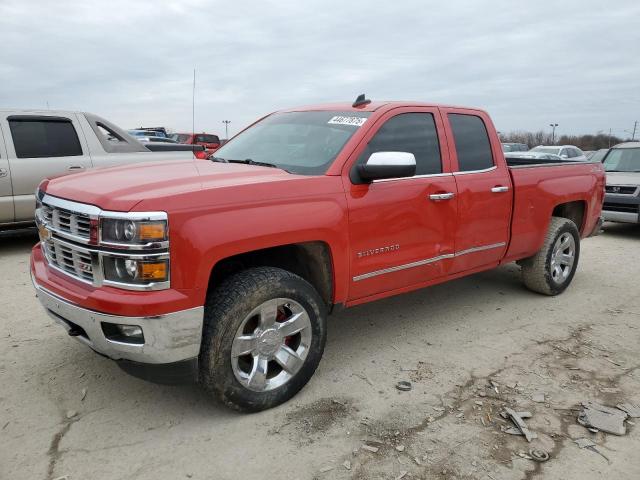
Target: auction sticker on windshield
(340, 120)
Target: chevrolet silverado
(224, 271)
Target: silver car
(565, 152)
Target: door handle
(500, 189)
(436, 197)
(3, 172)
(75, 167)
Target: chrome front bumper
(168, 338)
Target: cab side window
(44, 137)
(409, 132)
(472, 142)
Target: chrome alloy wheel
(271, 344)
(563, 257)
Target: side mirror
(382, 165)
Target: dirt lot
(68, 413)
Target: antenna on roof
(361, 101)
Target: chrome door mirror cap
(382, 165)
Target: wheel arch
(576, 211)
(311, 260)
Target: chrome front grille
(69, 258)
(67, 221)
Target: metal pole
(553, 132)
(226, 128)
(193, 105)
(635, 125)
(609, 138)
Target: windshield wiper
(218, 159)
(249, 161)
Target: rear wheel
(264, 335)
(551, 270)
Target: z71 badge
(376, 251)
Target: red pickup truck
(226, 270)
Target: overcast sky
(576, 63)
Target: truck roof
(370, 107)
(627, 145)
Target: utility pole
(553, 132)
(226, 128)
(609, 138)
(193, 105)
(633, 135)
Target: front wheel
(551, 270)
(264, 335)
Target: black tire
(225, 310)
(537, 271)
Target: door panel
(398, 235)
(485, 195)
(483, 218)
(6, 193)
(30, 137)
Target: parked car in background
(42, 144)
(598, 155)
(588, 153)
(515, 147)
(209, 141)
(156, 139)
(513, 157)
(154, 131)
(145, 134)
(622, 199)
(225, 271)
(565, 152)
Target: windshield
(305, 143)
(598, 156)
(623, 160)
(552, 150)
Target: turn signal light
(152, 271)
(152, 231)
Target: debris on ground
(404, 385)
(590, 445)
(71, 414)
(83, 394)
(347, 464)
(326, 469)
(402, 475)
(601, 417)
(538, 397)
(519, 422)
(538, 455)
(584, 442)
(369, 448)
(633, 410)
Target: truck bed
(538, 187)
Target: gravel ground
(469, 348)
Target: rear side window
(40, 138)
(409, 132)
(472, 142)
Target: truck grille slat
(70, 260)
(66, 221)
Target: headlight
(123, 231)
(135, 271)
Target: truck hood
(623, 178)
(121, 188)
